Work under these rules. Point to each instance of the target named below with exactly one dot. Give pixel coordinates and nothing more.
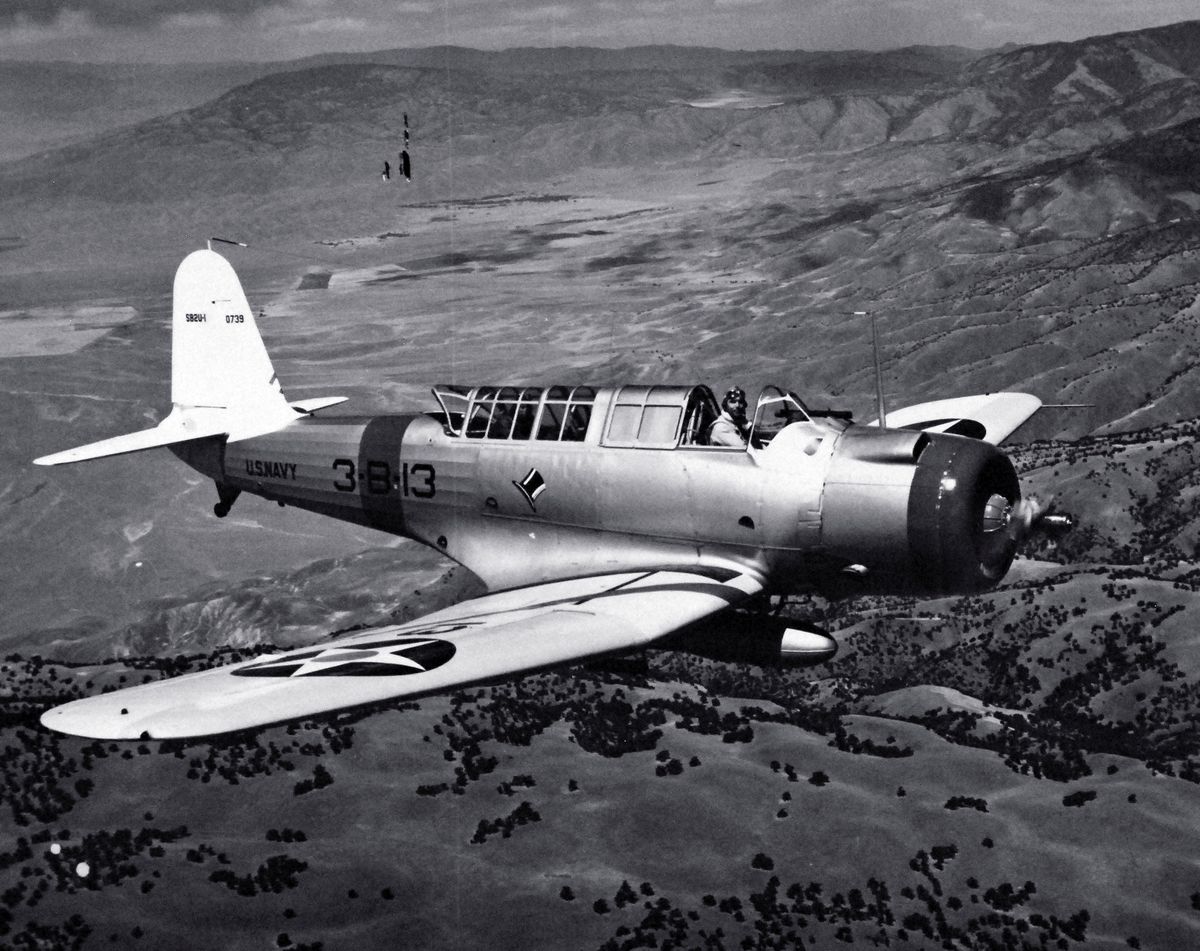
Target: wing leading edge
(484, 639)
(992, 417)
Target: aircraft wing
(483, 639)
(992, 417)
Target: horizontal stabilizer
(992, 417)
(320, 402)
(173, 429)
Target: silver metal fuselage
(821, 497)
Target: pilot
(731, 427)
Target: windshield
(776, 409)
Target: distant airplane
(405, 165)
(598, 517)
(403, 162)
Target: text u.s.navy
(600, 518)
(270, 470)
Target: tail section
(222, 381)
(218, 360)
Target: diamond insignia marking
(531, 487)
(392, 657)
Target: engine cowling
(959, 510)
(922, 512)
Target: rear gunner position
(601, 519)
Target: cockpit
(555, 413)
(632, 417)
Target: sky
(256, 30)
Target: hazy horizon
(214, 31)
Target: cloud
(547, 11)
(124, 13)
(335, 25)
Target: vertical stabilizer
(218, 360)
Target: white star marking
(340, 656)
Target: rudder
(218, 359)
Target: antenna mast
(879, 405)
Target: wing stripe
(631, 581)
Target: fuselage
(525, 485)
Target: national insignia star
(326, 661)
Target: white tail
(218, 360)
(222, 382)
